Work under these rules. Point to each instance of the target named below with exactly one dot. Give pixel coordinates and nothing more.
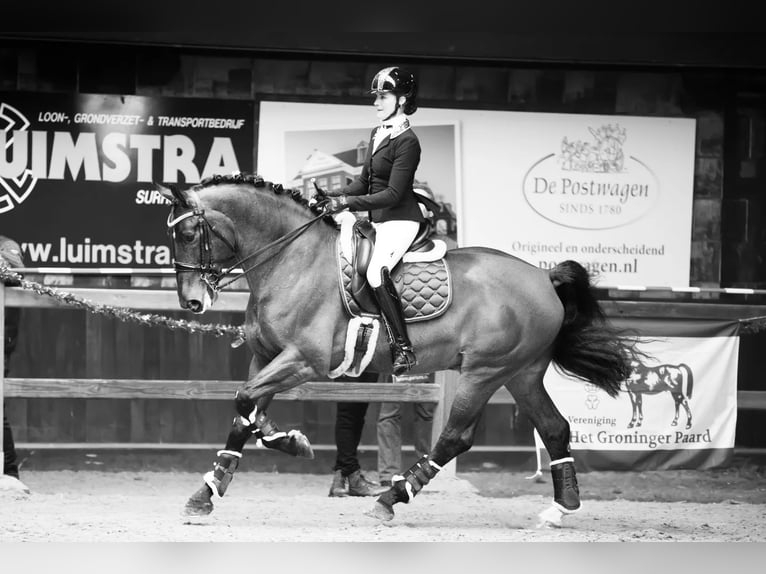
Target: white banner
(612, 192)
(678, 409)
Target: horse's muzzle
(195, 306)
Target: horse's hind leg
(529, 392)
(677, 400)
(457, 437)
(634, 407)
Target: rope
(122, 313)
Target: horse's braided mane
(257, 181)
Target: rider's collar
(397, 125)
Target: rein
(212, 274)
(290, 236)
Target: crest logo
(591, 184)
(14, 190)
(605, 155)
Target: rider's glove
(336, 204)
(320, 193)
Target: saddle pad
(424, 287)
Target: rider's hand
(336, 204)
(320, 193)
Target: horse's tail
(588, 347)
(689, 379)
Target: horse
(678, 380)
(507, 321)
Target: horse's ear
(173, 194)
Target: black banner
(76, 178)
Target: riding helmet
(398, 81)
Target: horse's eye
(187, 236)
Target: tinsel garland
(122, 313)
(752, 325)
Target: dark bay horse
(508, 321)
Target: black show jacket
(384, 188)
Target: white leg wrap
(407, 487)
(209, 480)
(562, 460)
(231, 452)
(563, 510)
(276, 435)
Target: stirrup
(404, 360)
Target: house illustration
(332, 171)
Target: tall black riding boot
(393, 315)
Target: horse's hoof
(550, 518)
(300, 444)
(198, 508)
(293, 443)
(381, 511)
(199, 504)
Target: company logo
(14, 190)
(591, 184)
(108, 147)
(677, 380)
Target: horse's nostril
(194, 306)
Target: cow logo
(644, 380)
(14, 190)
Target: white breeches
(392, 239)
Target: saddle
(422, 278)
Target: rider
(384, 188)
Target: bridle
(213, 273)
(210, 272)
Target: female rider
(384, 188)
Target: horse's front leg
(216, 481)
(252, 420)
(287, 370)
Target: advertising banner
(298, 143)
(77, 172)
(678, 409)
(612, 192)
